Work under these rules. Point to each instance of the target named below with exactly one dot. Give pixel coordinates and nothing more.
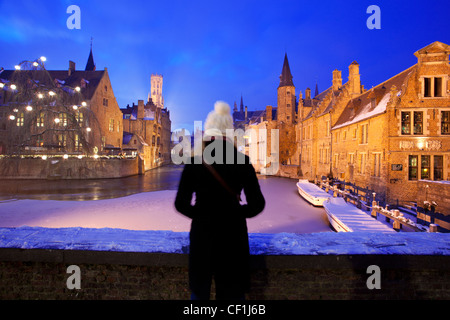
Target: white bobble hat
(219, 120)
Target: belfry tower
(156, 84)
(286, 95)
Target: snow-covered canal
(127, 204)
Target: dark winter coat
(218, 237)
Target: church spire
(90, 65)
(317, 91)
(242, 104)
(286, 76)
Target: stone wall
(42, 274)
(72, 168)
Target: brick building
(58, 111)
(149, 123)
(393, 138)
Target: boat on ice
(312, 193)
(345, 217)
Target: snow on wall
(324, 243)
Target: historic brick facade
(386, 139)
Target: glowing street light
(35, 64)
(57, 120)
(51, 93)
(84, 104)
(77, 89)
(11, 117)
(29, 108)
(44, 157)
(2, 85)
(17, 67)
(88, 129)
(75, 107)
(13, 86)
(43, 59)
(40, 96)
(66, 156)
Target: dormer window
(433, 87)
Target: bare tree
(46, 115)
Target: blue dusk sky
(217, 50)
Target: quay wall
(42, 274)
(71, 168)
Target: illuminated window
(418, 122)
(20, 119)
(445, 122)
(40, 120)
(78, 144)
(111, 125)
(62, 140)
(406, 122)
(414, 121)
(413, 167)
(425, 167)
(63, 119)
(80, 118)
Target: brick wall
(42, 274)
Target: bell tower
(156, 84)
(286, 95)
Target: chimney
(337, 80)
(245, 113)
(71, 67)
(269, 113)
(354, 78)
(308, 93)
(140, 113)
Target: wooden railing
(395, 215)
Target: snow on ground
(327, 243)
(148, 222)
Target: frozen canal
(143, 203)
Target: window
(39, 141)
(111, 125)
(413, 167)
(427, 87)
(418, 122)
(364, 133)
(62, 140)
(438, 167)
(376, 164)
(78, 144)
(63, 119)
(438, 87)
(336, 160)
(40, 120)
(415, 121)
(433, 87)
(105, 102)
(79, 118)
(406, 122)
(363, 159)
(20, 119)
(445, 122)
(351, 158)
(425, 167)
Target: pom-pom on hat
(219, 120)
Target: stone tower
(156, 83)
(286, 95)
